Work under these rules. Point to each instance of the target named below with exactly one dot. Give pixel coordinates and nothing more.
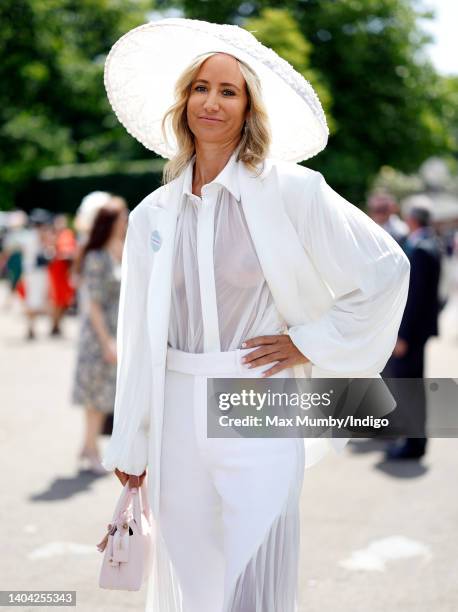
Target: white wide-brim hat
(143, 66)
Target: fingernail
(243, 344)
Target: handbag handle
(123, 502)
(139, 499)
(144, 499)
(140, 503)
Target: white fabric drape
(368, 275)
(128, 446)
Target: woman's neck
(211, 158)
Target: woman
(37, 252)
(62, 290)
(11, 255)
(95, 377)
(238, 266)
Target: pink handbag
(128, 542)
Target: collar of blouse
(228, 177)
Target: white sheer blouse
(219, 295)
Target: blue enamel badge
(156, 240)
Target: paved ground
(376, 537)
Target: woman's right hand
(134, 481)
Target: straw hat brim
(143, 66)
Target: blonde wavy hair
(255, 135)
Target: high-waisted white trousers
(228, 526)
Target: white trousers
(228, 527)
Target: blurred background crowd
(56, 270)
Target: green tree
(53, 107)
(277, 29)
(387, 97)
(448, 93)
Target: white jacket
(338, 279)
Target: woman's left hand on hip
(273, 348)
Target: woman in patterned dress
(95, 375)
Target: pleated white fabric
(228, 530)
(269, 581)
(164, 591)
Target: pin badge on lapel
(156, 240)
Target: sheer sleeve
(128, 447)
(368, 275)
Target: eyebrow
(226, 84)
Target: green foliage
(277, 29)
(53, 109)
(220, 11)
(448, 96)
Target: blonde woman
(243, 264)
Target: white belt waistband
(212, 364)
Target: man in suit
(418, 324)
(382, 208)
